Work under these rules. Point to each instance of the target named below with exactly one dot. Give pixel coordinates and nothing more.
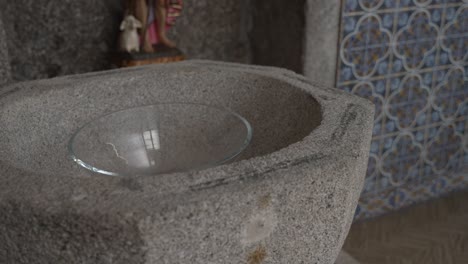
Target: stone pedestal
(163, 54)
(290, 197)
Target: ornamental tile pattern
(409, 57)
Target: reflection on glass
(151, 139)
(161, 138)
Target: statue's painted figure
(151, 20)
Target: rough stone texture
(277, 37)
(345, 258)
(289, 199)
(57, 37)
(321, 40)
(47, 38)
(52, 38)
(5, 71)
(214, 30)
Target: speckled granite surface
(289, 198)
(4, 59)
(58, 37)
(216, 30)
(47, 38)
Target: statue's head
(130, 23)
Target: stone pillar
(321, 40)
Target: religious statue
(146, 22)
(129, 38)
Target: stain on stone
(255, 175)
(259, 227)
(257, 256)
(10, 91)
(264, 201)
(131, 184)
(349, 116)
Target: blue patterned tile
(408, 102)
(371, 5)
(422, 3)
(394, 83)
(375, 146)
(419, 133)
(465, 162)
(448, 1)
(397, 65)
(444, 57)
(402, 160)
(456, 163)
(455, 38)
(461, 126)
(434, 115)
(450, 14)
(389, 127)
(368, 91)
(402, 19)
(404, 3)
(430, 60)
(427, 78)
(387, 21)
(349, 24)
(436, 15)
(351, 6)
(451, 93)
(383, 68)
(438, 185)
(388, 4)
(463, 109)
(427, 172)
(417, 40)
(380, 87)
(370, 185)
(366, 47)
(384, 184)
(377, 129)
(439, 76)
(421, 120)
(346, 74)
(442, 147)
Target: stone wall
(47, 38)
(216, 30)
(5, 72)
(277, 37)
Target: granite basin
(288, 198)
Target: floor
(432, 233)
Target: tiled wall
(410, 57)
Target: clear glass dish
(160, 138)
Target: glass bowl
(160, 138)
